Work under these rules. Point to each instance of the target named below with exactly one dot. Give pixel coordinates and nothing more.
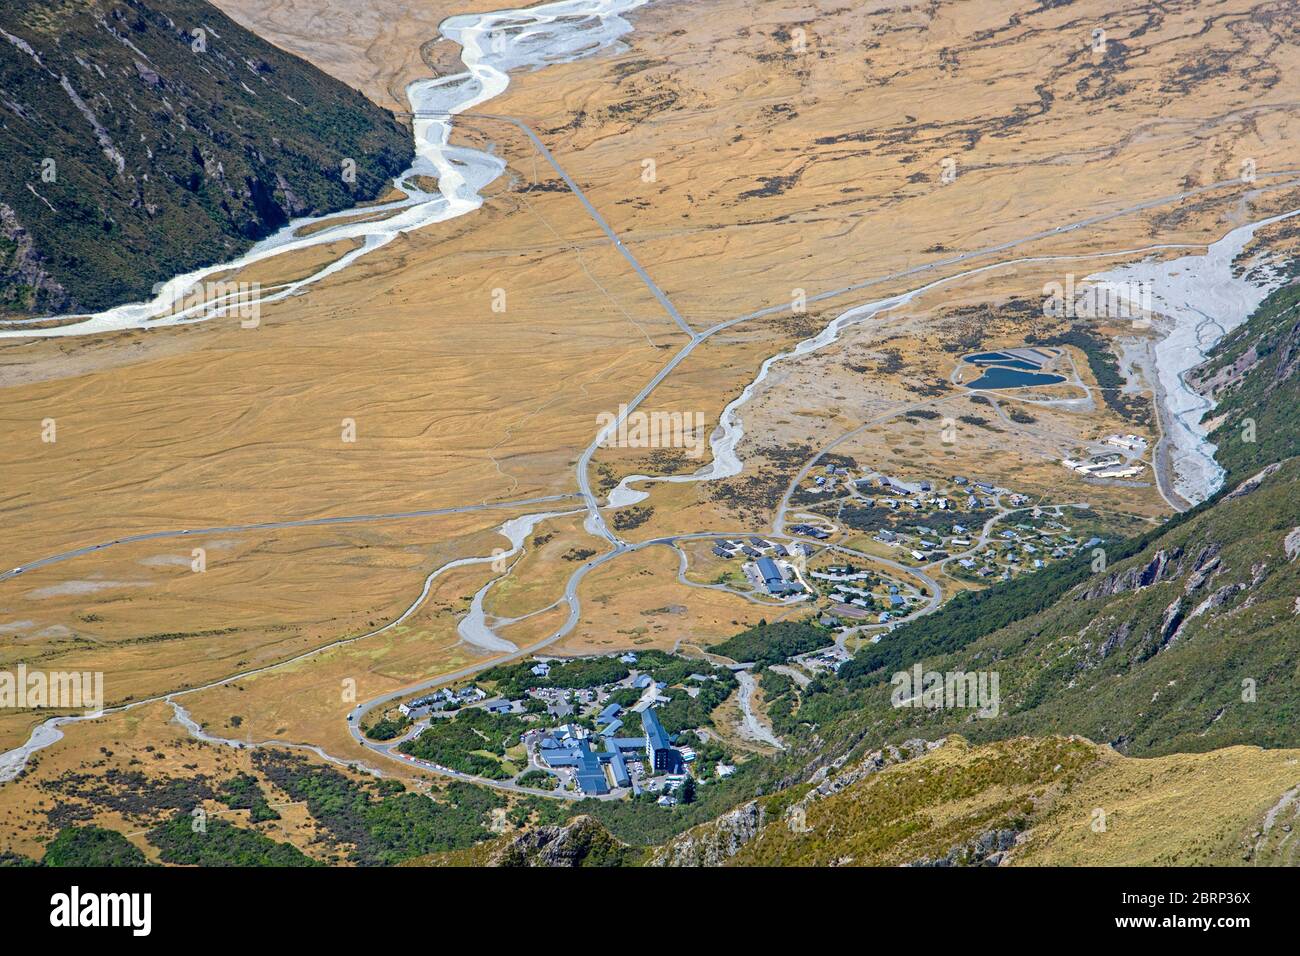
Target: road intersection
(595, 519)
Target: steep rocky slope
(1025, 801)
(143, 138)
(580, 842)
(1252, 378)
(1183, 641)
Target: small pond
(1000, 377)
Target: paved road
(595, 519)
(582, 197)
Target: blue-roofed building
(642, 682)
(612, 728)
(608, 714)
(560, 748)
(617, 766)
(659, 746)
(592, 781)
(588, 772)
(560, 757)
(773, 580)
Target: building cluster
(767, 566)
(811, 531)
(440, 700)
(1023, 547)
(1119, 464)
(603, 760)
(778, 580)
(962, 494)
(830, 658)
(848, 586)
(753, 547)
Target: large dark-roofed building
(773, 579)
(658, 746)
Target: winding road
(12, 763)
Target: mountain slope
(1252, 377)
(1025, 801)
(1189, 644)
(1184, 639)
(144, 138)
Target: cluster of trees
(513, 680)
(242, 792)
(464, 742)
(379, 820)
(387, 728)
(91, 846)
(774, 643)
(220, 843)
(537, 779)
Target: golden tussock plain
(259, 598)
(825, 148)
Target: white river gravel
(492, 44)
(1198, 300)
(1189, 290)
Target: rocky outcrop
(1291, 544)
(713, 844)
(1253, 482)
(988, 849)
(1116, 639)
(1216, 600)
(25, 283)
(1207, 562)
(581, 842)
(1170, 624)
(1288, 358)
(1162, 566)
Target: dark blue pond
(1000, 358)
(999, 377)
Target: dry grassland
(778, 167)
